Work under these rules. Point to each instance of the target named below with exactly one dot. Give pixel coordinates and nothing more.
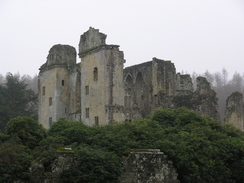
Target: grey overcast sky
(196, 35)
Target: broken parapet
(60, 56)
(148, 165)
(234, 110)
(91, 39)
(184, 84)
(204, 100)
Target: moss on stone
(63, 150)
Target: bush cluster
(202, 149)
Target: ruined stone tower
(102, 79)
(59, 86)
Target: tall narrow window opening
(95, 74)
(87, 112)
(50, 121)
(62, 82)
(50, 101)
(96, 121)
(87, 90)
(43, 90)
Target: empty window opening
(96, 121)
(95, 74)
(129, 80)
(65, 110)
(50, 121)
(87, 90)
(50, 101)
(87, 112)
(62, 82)
(43, 90)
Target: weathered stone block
(148, 165)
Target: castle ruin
(99, 90)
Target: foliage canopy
(202, 149)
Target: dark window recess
(87, 112)
(87, 90)
(50, 121)
(50, 101)
(62, 82)
(96, 121)
(95, 74)
(43, 90)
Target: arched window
(129, 80)
(95, 74)
(139, 81)
(128, 89)
(139, 88)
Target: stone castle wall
(99, 90)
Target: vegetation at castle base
(28, 131)
(15, 160)
(16, 99)
(202, 150)
(94, 165)
(21, 136)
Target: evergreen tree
(16, 100)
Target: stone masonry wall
(203, 100)
(148, 86)
(151, 165)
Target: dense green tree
(200, 147)
(27, 130)
(15, 160)
(21, 136)
(46, 151)
(94, 166)
(16, 100)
